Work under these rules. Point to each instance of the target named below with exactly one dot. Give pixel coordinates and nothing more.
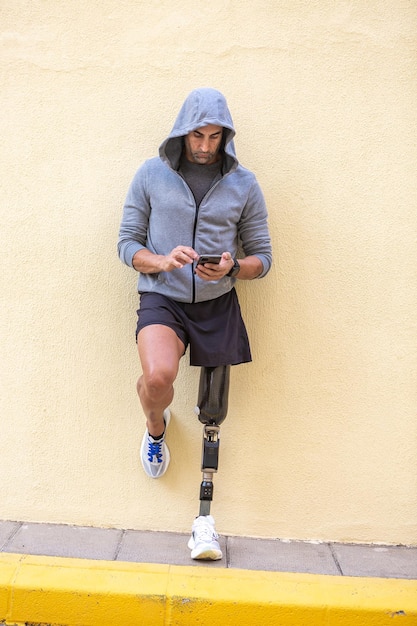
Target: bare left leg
(160, 351)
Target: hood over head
(202, 107)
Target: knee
(156, 384)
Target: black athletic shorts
(214, 329)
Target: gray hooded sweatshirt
(160, 211)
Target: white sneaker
(203, 542)
(154, 453)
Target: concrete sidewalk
(238, 552)
(59, 575)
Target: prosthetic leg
(211, 409)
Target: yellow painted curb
(76, 592)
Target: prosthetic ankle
(211, 409)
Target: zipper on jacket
(192, 267)
(197, 208)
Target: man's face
(202, 145)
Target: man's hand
(147, 262)
(178, 257)
(215, 271)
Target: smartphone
(209, 258)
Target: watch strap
(235, 269)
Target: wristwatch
(235, 269)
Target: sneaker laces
(205, 532)
(154, 450)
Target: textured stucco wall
(320, 441)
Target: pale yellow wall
(320, 441)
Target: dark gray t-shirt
(198, 177)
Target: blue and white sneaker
(203, 541)
(154, 453)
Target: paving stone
(382, 561)
(67, 541)
(7, 529)
(281, 556)
(158, 547)
(238, 552)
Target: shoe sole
(210, 554)
(204, 553)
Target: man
(192, 200)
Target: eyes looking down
(203, 144)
